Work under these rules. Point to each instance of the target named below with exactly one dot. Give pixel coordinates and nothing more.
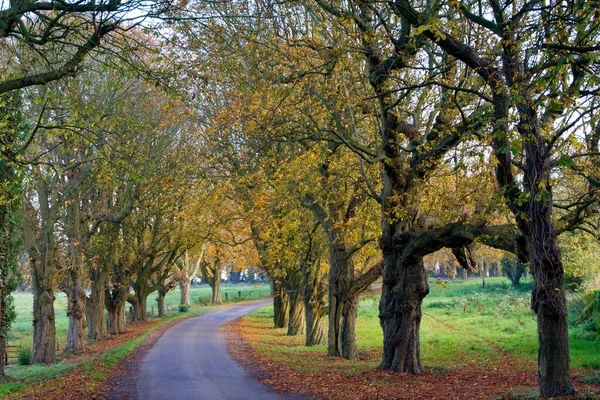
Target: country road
(191, 361)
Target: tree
(10, 202)
(185, 272)
(54, 37)
(211, 273)
(513, 269)
(540, 92)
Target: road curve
(191, 361)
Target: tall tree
(529, 97)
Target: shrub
(183, 308)
(590, 316)
(581, 258)
(24, 356)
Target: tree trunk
(184, 292)
(348, 331)
(314, 306)
(281, 306)
(161, 302)
(76, 334)
(44, 330)
(342, 307)
(400, 315)
(315, 321)
(96, 322)
(116, 317)
(548, 300)
(296, 322)
(216, 290)
(140, 307)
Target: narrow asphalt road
(191, 361)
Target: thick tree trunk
(116, 317)
(315, 329)
(342, 306)
(76, 333)
(296, 323)
(115, 299)
(400, 314)
(216, 291)
(44, 330)
(281, 306)
(548, 302)
(140, 307)
(184, 292)
(348, 328)
(95, 319)
(314, 307)
(161, 302)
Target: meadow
(21, 331)
(462, 323)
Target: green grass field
(462, 323)
(22, 328)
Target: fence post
(240, 294)
(226, 296)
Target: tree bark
(139, 301)
(216, 291)
(342, 304)
(548, 299)
(314, 306)
(400, 315)
(44, 330)
(315, 321)
(76, 311)
(184, 292)
(296, 322)
(281, 307)
(96, 321)
(116, 317)
(115, 297)
(348, 331)
(161, 302)
(212, 274)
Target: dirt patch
(509, 376)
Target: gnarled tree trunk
(95, 319)
(211, 272)
(400, 315)
(44, 330)
(548, 297)
(76, 310)
(216, 291)
(296, 323)
(116, 316)
(281, 306)
(342, 303)
(139, 301)
(184, 292)
(315, 307)
(161, 302)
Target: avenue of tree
(323, 143)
